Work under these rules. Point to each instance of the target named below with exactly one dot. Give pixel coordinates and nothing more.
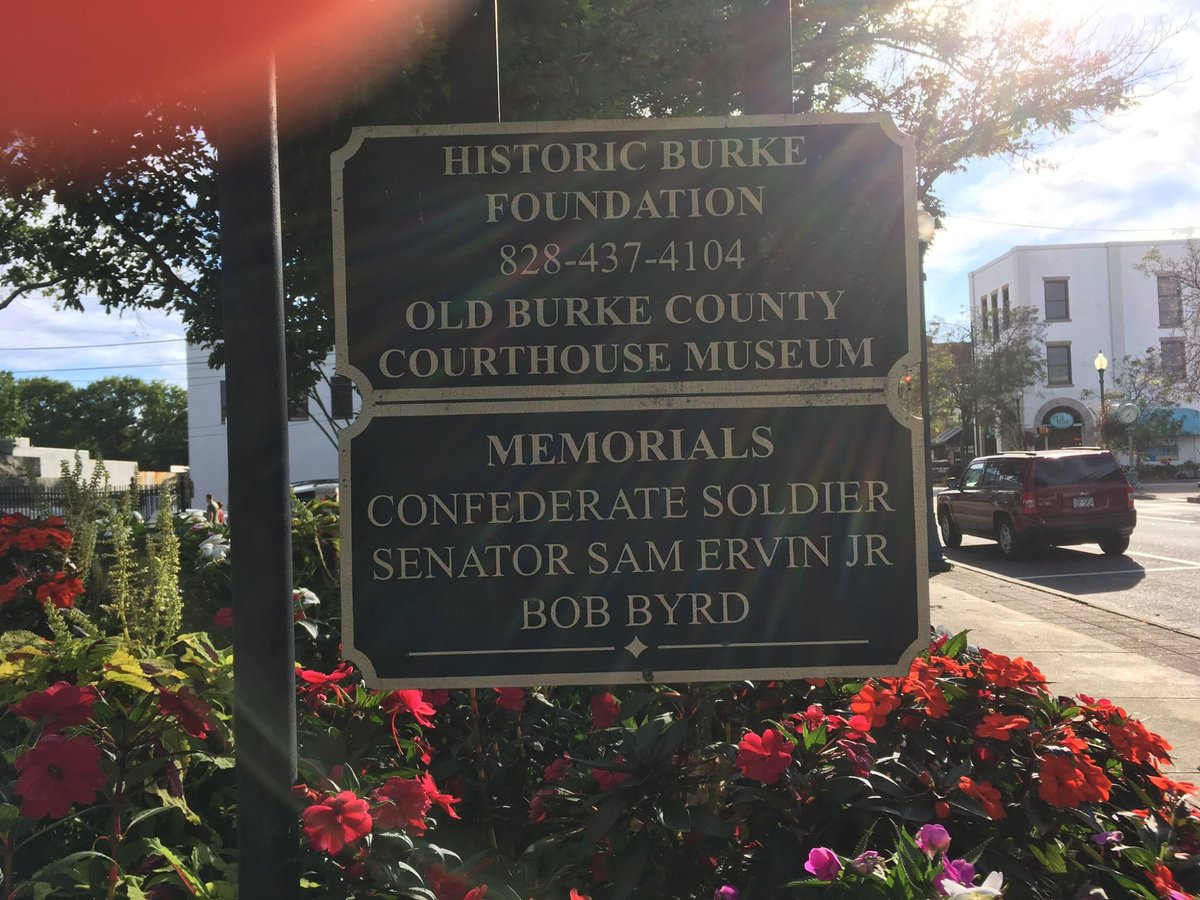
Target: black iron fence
(52, 500)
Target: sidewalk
(1151, 671)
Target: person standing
(210, 509)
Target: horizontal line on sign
(756, 644)
(510, 651)
(652, 389)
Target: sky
(1133, 176)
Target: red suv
(1040, 498)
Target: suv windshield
(1076, 470)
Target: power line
(118, 366)
(1066, 227)
(90, 346)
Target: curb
(1017, 582)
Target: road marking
(1183, 562)
(1174, 520)
(1111, 572)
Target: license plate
(1083, 502)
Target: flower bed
(965, 777)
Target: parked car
(1040, 498)
(315, 490)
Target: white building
(313, 456)
(1093, 298)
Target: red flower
(764, 758)
(409, 701)
(1000, 726)
(223, 617)
(986, 794)
(557, 770)
(605, 708)
(921, 681)
(404, 804)
(1135, 742)
(337, 820)
(1066, 780)
(510, 698)
(812, 718)
(316, 686)
(537, 804)
(60, 590)
(609, 779)
(1170, 786)
(1012, 673)
(34, 539)
(59, 706)
(445, 801)
(447, 886)
(192, 713)
(1164, 882)
(10, 589)
(874, 703)
(56, 772)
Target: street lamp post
(926, 225)
(1101, 363)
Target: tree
(1182, 272)
(985, 384)
(143, 232)
(13, 420)
(1143, 381)
(116, 418)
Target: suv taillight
(1129, 496)
(1029, 502)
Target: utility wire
(90, 346)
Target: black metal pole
(765, 54)
(937, 562)
(259, 504)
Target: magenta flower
(958, 870)
(933, 839)
(725, 892)
(866, 862)
(823, 863)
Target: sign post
(632, 403)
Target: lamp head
(1101, 361)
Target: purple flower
(823, 864)
(958, 870)
(725, 892)
(866, 863)
(1106, 838)
(933, 839)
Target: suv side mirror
(952, 482)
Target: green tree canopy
(13, 420)
(143, 233)
(116, 418)
(1144, 382)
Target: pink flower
(823, 864)
(933, 839)
(337, 820)
(223, 617)
(764, 758)
(56, 772)
(957, 870)
(403, 804)
(557, 770)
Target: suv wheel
(1009, 540)
(951, 536)
(1114, 545)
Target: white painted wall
(311, 455)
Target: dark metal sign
(631, 401)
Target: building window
(341, 397)
(1058, 364)
(983, 314)
(1174, 363)
(1170, 302)
(1007, 308)
(1058, 309)
(996, 313)
(298, 409)
(224, 398)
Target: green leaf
(599, 825)
(707, 822)
(1050, 857)
(674, 815)
(8, 816)
(955, 645)
(630, 864)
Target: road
(1158, 578)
